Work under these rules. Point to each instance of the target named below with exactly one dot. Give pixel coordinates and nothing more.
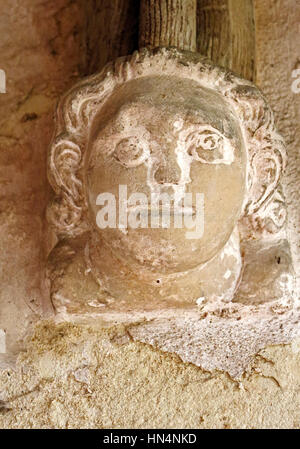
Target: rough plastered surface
(74, 377)
(214, 344)
(41, 55)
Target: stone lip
(220, 337)
(217, 344)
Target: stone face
(166, 135)
(169, 122)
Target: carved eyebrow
(196, 127)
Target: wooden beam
(168, 23)
(226, 34)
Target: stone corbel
(145, 122)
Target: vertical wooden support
(111, 30)
(168, 23)
(226, 34)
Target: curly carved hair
(264, 205)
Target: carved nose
(168, 170)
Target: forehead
(161, 101)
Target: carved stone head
(169, 123)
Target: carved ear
(64, 162)
(265, 167)
(265, 147)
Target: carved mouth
(163, 210)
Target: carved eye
(210, 147)
(131, 152)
